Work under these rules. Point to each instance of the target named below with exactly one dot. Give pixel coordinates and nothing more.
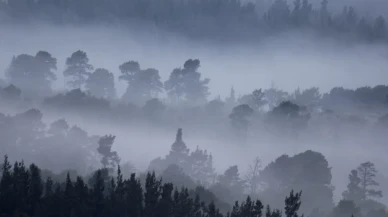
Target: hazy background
(289, 61)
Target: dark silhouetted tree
(293, 202)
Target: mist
(294, 94)
(289, 60)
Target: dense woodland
(217, 19)
(184, 181)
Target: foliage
(143, 85)
(33, 74)
(186, 83)
(77, 69)
(23, 190)
(101, 84)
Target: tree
(201, 169)
(232, 181)
(98, 194)
(380, 29)
(354, 191)
(275, 96)
(293, 203)
(143, 85)
(179, 155)
(231, 100)
(165, 205)
(346, 208)
(307, 97)
(6, 191)
(77, 69)
(151, 195)
(101, 84)
(33, 74)
(239, 117)
(134, 196)
(35, 191)
(179, 152)
(308, 171)
(215, 108)
(255, 100)
(367, 173)
(289, 117)
(110, 159)
(252, 176)
(186, 83)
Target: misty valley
(193, 108)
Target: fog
(289, 61)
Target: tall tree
(110, 159)
(293, 203)
(143, 85)
(367, 173)
(33, 74)
(186, 83)
(35, 189)
(6, 191)
(239, 117)
(101, 84)
(232, 181)
(354, 191)
(252, 177)
(77, 69)
(179, 152)
(151, 195)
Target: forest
(160, 108)
(76, 173)
(204, 19)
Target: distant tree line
(91, 92)
(34, 75)
(203, 18)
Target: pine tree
(68, 197)
(81, 194)
(367, 173)
(6, 191)
(134, 197)
(179, 153)
(151, 195)
(98, 195)
(35, 189)
(165, 204)
(292, 203)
